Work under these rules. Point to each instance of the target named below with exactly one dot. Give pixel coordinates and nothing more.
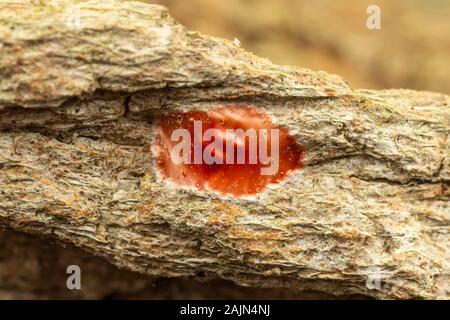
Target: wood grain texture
(35, 268)
(77, 107)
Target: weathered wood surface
(35, 268)
(78, 100)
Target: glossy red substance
(236, 179)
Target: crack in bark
(77, 163)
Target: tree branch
(78, 100)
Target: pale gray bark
(34, 268)
(78, 102)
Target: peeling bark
(34, 268)
(77, 106)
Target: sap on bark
(234, 150)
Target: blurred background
(412, 50)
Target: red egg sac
(226, 174)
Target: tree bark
(81, 85)
(34, 268)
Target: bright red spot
(236, 179)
